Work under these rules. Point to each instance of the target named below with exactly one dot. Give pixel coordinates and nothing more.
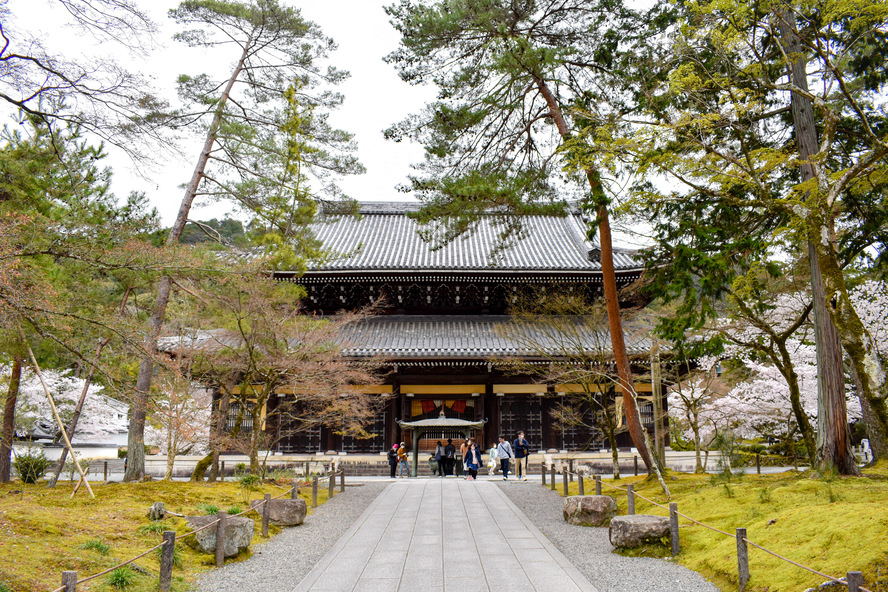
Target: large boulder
(284, 512)
(589, 510)
(238, 534)
(628, 532)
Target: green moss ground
(42, 530)
(833, 525)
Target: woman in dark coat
(439, 456)
(473, 461)
(393, 460)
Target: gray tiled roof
(475, 336)
(385, 239)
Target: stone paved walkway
(443, 535)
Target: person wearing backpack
(449, 457)
(504, 453)
(440, 458)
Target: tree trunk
(878, 444)
(135, 469)
(9, 419)
(698, 464)
(785, 365)
(72, 425)
(219, 432)
(615, 458)
(833, 435)
(609, 279)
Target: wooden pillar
(220, 538)
(673, 527)
(167, 554)
(630, 499)
(580, 483)
(69, 581)
(742, 558)
(266, 514)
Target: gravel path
(283, 561)
(589, 549)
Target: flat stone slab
(284, 512)
(589, 510)
(629, 532)
(443, 535)
(238, 534)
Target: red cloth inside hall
(459, 406)
(427, 405)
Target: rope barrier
(842, 581)
(195, 531)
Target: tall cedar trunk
(833, 435)
(135, 468)
(78, 409)
(9, 419)
(609, 279)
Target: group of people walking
(507, 454)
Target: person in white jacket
(504, 453)
(491, 461)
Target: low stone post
(635, 461)
(69, 581)
(543, 472)
(105, 470)
(222, 470)
(167, 553)
(630, 499)
(220, 538)
(266, 513)
(570, 463)
(341, 480)
(307, 471)
(758, 463)
(552, 475)
(294, 493)
(314, 492)
(564, 474)
(673, 527)
(597, 484)
(580, 484)
(855, 581)
(331, 485)
(742, 559)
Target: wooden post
(673, 527)
(220, 538)
(69, 581)
(635, 460)
(266, 514)
(294, 493)
(222, 470)
(570, 463)
(331, 485)
(307, 468)
(166, 561)
(597, 484)
(742, 559)
(314, 492)
(564, 474)
(630, 498)
(341, 480)
(105, 470)
(580, 484)
(855, 580)
(543, 472)
(758, 463)
(552, 475)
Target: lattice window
(307, 441)
(522, 413)
(246, 425)
(374, 444)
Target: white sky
(375, 97)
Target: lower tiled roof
(447, 337)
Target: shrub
(5, 587)
(97, 545)
(209, 509)
(30, 467)
(233, 510)
(121, 578)
(249, 482)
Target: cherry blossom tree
(871, 301)
(102, 416)
(692, 406)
